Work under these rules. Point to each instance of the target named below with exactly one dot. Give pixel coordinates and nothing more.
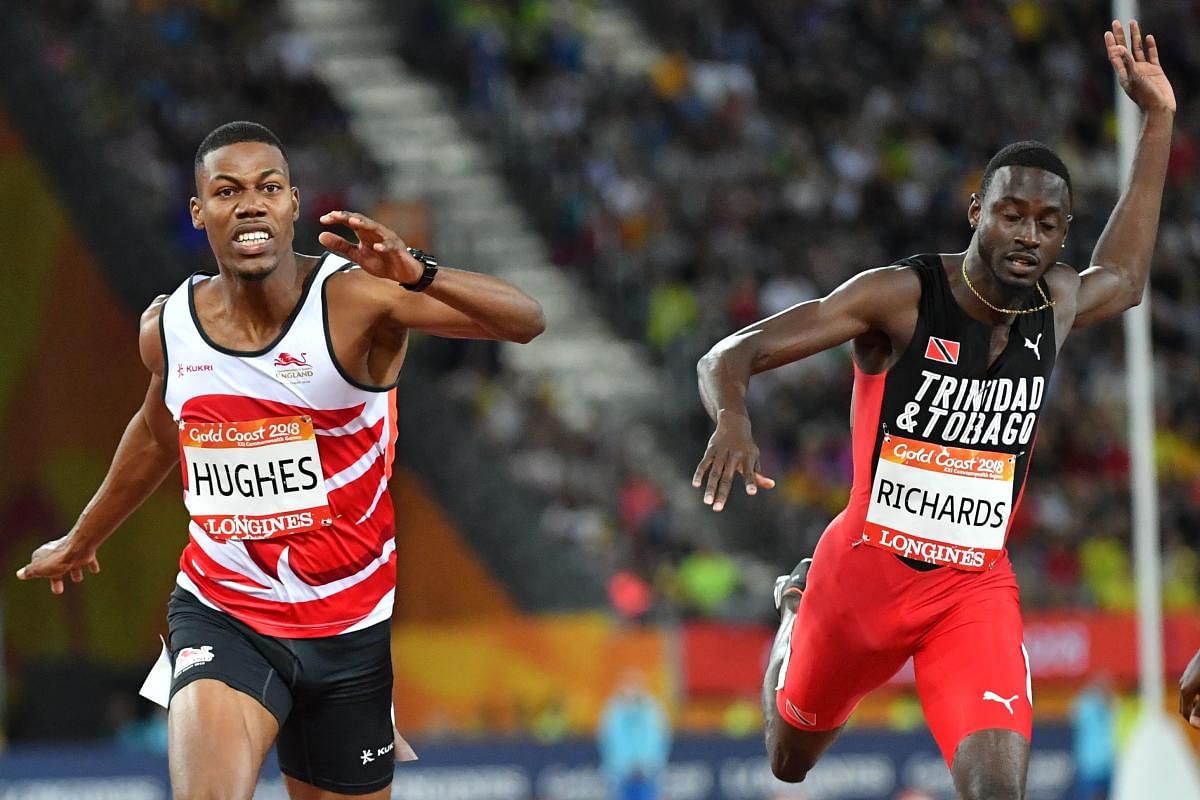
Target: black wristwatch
(431, 268)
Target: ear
(974, 211)
(295, 204)
(194, 208)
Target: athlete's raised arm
(872, 302)
(148, 450)
(1121, 260)
(457, 303)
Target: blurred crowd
(772, 149)
(155, 76)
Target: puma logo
(990, 695)
(1034, 345)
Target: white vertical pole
(1157, 761)
(1140, 395)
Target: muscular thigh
(848, 637)
(973, 672)
(338, 739)
(227, 700)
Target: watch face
(423, 257)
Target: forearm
(138, 467)
(1127, 243)
(495, 305)
(723, 374)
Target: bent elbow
(1134, 297)
(533, 327)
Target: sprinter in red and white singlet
(272, 389)
(952, 357)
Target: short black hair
(234, 132)
(1027, 153)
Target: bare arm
(147, 451)
(457, 304)
(1189, 692)
(872, 301)
(1120, 262)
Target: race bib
(942, 505)
(254, 480)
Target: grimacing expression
(246, 204)
(1021, 223)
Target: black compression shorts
(332, 695)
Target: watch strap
(431, 270)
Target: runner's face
(1021, 224)
(247, 206)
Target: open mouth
(1021, 263)
(252, 241)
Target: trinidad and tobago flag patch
(943, 350)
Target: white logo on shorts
(369, 755)
(990, 695)
(189, 657)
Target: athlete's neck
(261, 304)
(985, 284)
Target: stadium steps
(411, 128)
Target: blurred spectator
(634, 740)
(1094, 740)
(707, 578)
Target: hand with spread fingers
(731, 451)
(1137, 68)
(57, 560)
(1189, 692)
(379, 250)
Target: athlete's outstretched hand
(731, 451)
(1189, 692)
(56, 560)
(379, 250)
(1137, 68)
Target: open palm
(1137, 68)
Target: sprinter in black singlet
(952, 354)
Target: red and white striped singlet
(270, 544)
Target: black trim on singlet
(162, 336)
(940, 314)
(366, 387)
(283, 330)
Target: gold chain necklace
(1046, 301)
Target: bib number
(253, 480)
(939, 504)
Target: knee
(789, 767)
(788, 764)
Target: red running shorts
(864, 613)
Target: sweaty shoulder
(890, 295)
(887, 301)
(150, 337)
(359, 288)
(357, 295)
(901, 279)
(1064, 283)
